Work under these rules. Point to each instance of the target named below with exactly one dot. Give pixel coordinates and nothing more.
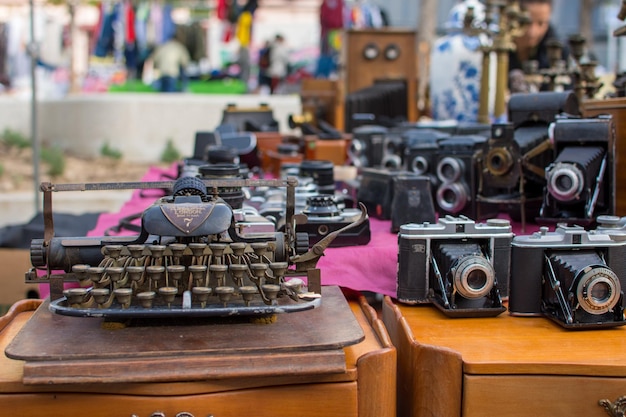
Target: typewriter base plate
(68, 350)
(214, 309)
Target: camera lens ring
(391, 161)
(464, 276)
(565, 181)
(420, 165)
(591, 279)
(356, 148)
(459, 193)
(499, 161)
(450, 169)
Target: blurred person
(244, 36)
(171, 59)
(279, 62)
(533, 44)
(331, 15)
(264, 80)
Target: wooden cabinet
(503, 366)
(365, 388)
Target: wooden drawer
(306, 400)
(538, 395)
(502, 366)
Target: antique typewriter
(195, 256)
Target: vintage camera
(457, 177)
(375, 146)
(366, 147)
(572, 276)
(396, 195)
(513, 166)
(509, 158)
(460, 266)
(421, 152)
(325, 216)
(580, 183)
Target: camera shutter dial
(322, 208)
(598, 290)
(565, 181)
(473, 276)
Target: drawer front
(311, 400)
(538, 395)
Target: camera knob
(608, 221)
(189, 186)
(322, 206)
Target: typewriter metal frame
(288, 300)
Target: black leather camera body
(572, 276)
(396, 195)
(512, 162)
(457, 178)
(367, 146)
(422, 151)
(460, 266)
(324, 216)
(580, 183)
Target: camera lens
(499, 161)
(600, 292)
(452, 197)
(391, 161)
(357, 154)
(233, 196)
(565, 181)
(322, 173)
(450, 169)
(419, 165)
(473, 276)
(221, 155)
(598, 289)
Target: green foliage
(170, 153)
(55, 158)
(1, 170)
(107, 151)
(15, 139)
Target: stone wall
(139, 125)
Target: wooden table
(502, 366)
(365, 388)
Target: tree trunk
(425, 37)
